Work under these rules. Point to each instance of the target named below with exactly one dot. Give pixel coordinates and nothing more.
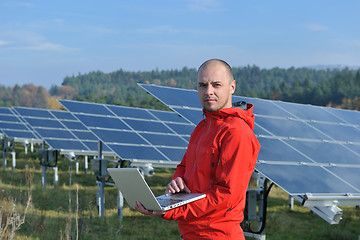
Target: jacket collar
(246, 115)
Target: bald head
(216, 63)
(215, 85)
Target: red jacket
(219, 161)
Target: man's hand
(176, 185)
(140, 208)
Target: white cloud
(3, 43)
(28, 40)
(316, 27)
(45, 46)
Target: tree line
(330, 87)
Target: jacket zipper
(207, 131)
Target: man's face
(215, 88)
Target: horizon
(42, 42)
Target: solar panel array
(12, 127)
(304, 148)
(60, 130)
(135, 134)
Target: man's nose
(209, 90)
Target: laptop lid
(133, 186)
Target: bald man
(219, 161)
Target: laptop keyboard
(164, 202)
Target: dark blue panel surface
(20, 134)
(13, 126)
(298, 179)
(68, 145)
(8, 118)
(277, 150)
(130, 112)
(194, 116)
(32, 112)
(46, 123)
(84, 107)
(74, 125)
(54, 133)
(182, 128)
(352, 117)
(289, 128)
(175, 97)
(94, 146)
(175, 155)
(138, 125)
(263, 107)
(339, 132)
(62, 115)
(164, 140)
(168, 116)
(137, 152)
(354, 147)
(308, 112)
(112, 136)
(325, 152)
(349, 174)
(85, 135)
(4, 110)
(102, 122)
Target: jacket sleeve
(237, 159)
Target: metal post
(32, 147)
(13, 160)
(291, 202)
(77, 164)
(5, 147)
(120, 205)
(56, 176)
(86, 163)
(4, 159)
(43, 176)
(26, 148)
(101, 198)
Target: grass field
(70, 212)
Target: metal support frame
(8, 145)
(255, 209)
(49, 159)
(99, 166)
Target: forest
(330, 87)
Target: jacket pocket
(214, 155)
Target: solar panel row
(305, 148)
(135, 134)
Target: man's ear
(233, 86)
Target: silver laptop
(133, 186)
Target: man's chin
(210, 109)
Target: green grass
(53, 216)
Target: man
(219, 161)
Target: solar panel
(11, 126)
(136, 134)
(304, 148)
(60, 130)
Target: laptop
(133, 186)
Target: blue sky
(43, 41)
